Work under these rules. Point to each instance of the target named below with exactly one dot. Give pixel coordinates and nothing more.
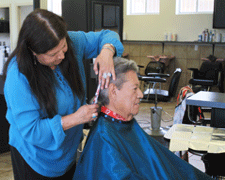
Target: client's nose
(140, 94)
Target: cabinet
(4, 20)
(4, 26)
(93, 15)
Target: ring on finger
(94, 116)
(109, 74)
(104, 75)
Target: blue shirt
(42, 142)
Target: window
(55, 6)
(194, 6)
(141, 7)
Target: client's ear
(112, 91)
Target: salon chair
(160, 95)
(157, 64)
(210, 74)
(152, 67)
(163, 95)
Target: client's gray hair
(122, 66)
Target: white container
(169, 36)
(218, 37)
(165, 37)
(174, 37)
(223, 37)
(203, 36)
(1, 60)
(206, 35)
(214, 35)
(200, 38)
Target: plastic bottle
(218, 37)
(214, 35)
(210, 36)
(165, 37)
(1, 60)
(203, 36)
(200, 38)
(6, 55)
(175, 37)
(169, 36)
(206, 35)
(223, 37)
(1, 46)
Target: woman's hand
(84, 114)
(87, 113)
(106, 67)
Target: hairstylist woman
(45, 93)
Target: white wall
(25, 10)
(153, 27)
(43, 4)
(143, 27)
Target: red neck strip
(112, 114)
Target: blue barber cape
(119, 151)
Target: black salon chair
(210, 74)
(156, 95)
(163, 95)
(152, 67)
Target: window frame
(51, 4)
(129, 9)
(178, 2)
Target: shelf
(177, 43)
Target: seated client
(117, 147)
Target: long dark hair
(42, 31)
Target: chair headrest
(174, 82)
(177, 70)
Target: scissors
(95, 101)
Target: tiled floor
(6, 172)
